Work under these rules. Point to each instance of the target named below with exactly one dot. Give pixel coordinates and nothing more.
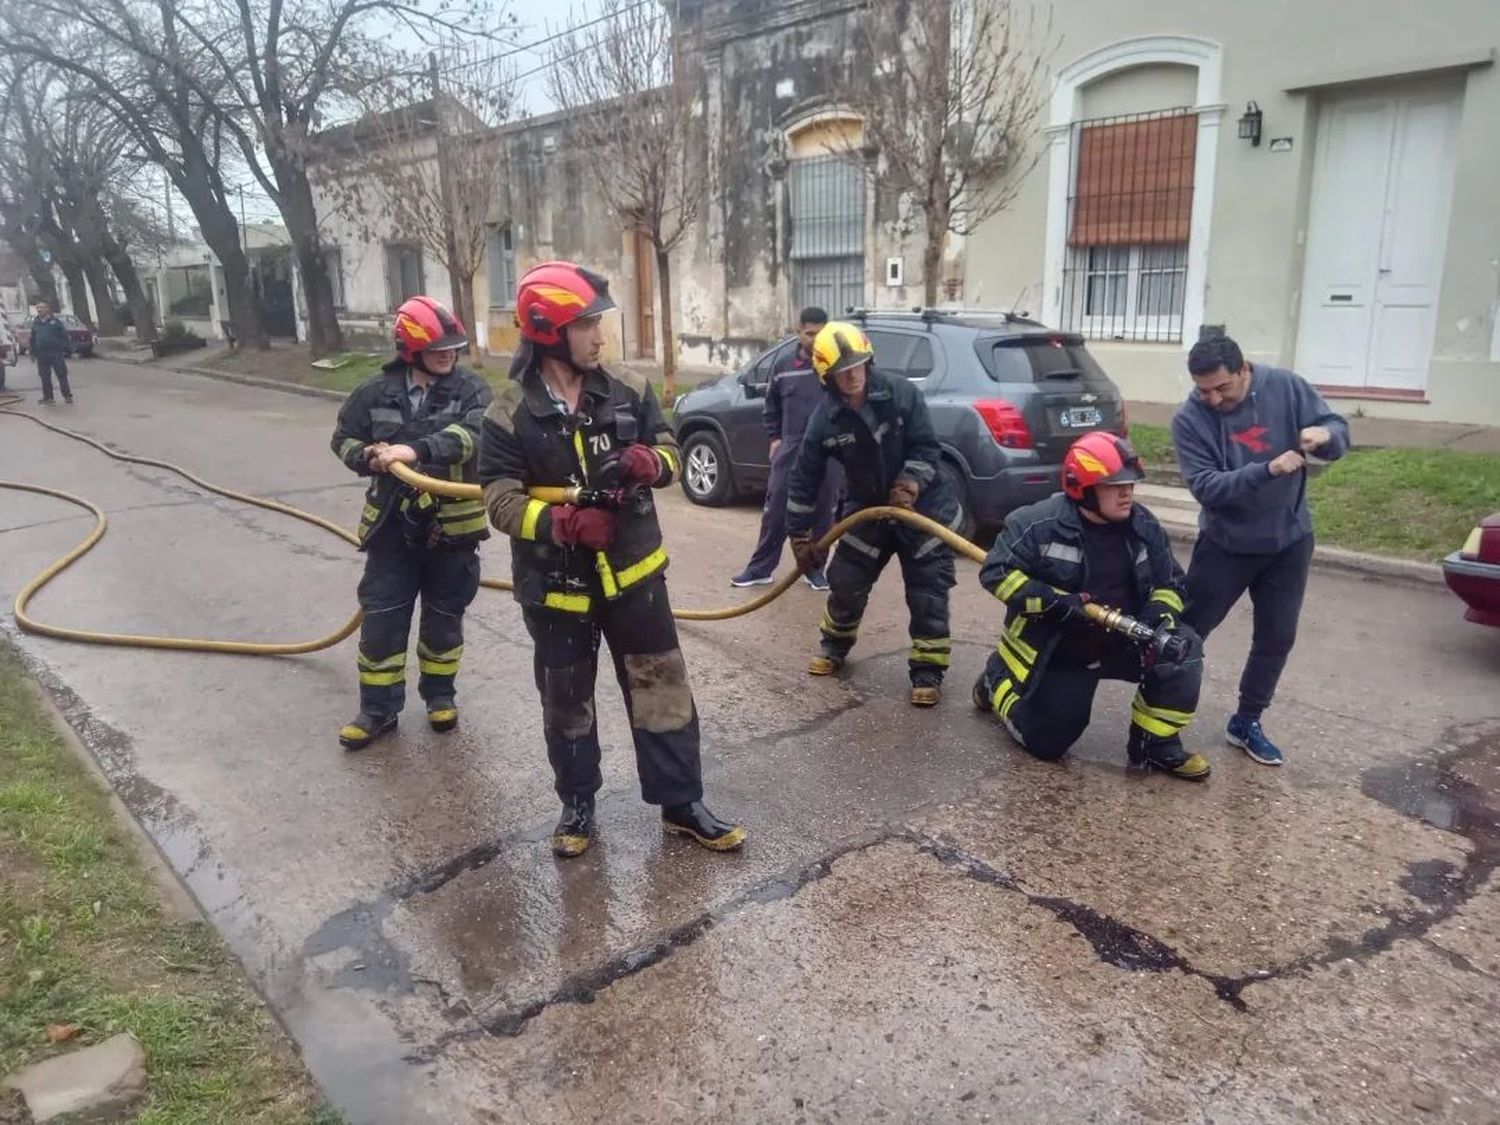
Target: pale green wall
(1260, 197)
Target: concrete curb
(1405, 571)
(264, 384)
(231, 377)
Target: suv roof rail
(931, 314)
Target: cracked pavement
(925, 925)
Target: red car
(1473, 572)
(81, 339)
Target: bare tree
(140, 63)
(950, 93)
(433, 170)
(634, 116)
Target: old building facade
(1316, 179)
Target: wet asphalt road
(925, 925)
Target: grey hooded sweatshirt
(1225, 458)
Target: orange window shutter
(1135, 182)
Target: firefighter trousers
(396, 574)
(926, 569)
(1049, 709)
(652, 674)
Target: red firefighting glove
(809, 555)
(593, 528)
(639, 464)
(903, 493)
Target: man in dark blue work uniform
(791, 397)
(878, 428)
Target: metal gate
(828, 233)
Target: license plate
(1081, 417)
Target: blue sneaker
(745, 578)
(818, 581)
(1249, 737)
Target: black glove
(1169, 647)
(1158, 616)
(1056, 605)
(809, 555)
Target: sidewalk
(1177, 512)
(1371, 433)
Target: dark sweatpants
(767, 556)
(45, 366)
(1215, 580)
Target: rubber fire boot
(364, 729)
(1166, 754)
(824, 665)
(575, 828)
(442, 715)
(981, 697)
(695, 820)
(926, 694)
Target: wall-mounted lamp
(1250, 124)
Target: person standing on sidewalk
(49, 346)
(791, 397)
(1242, 439)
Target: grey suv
(1007, 397)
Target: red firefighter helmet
(553, 295)
(423, 325)
(1099, 458)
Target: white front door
(1378, 228)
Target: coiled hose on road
(416, 480)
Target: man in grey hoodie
(1242, 441)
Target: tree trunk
(106, 320)
(932, 259)
(477, 347)
(78, 290)
(668, 333)
(135, 293)
(222, 233)
(324, 336)
(42, 275)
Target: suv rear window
(1037, 359)
(902, 353)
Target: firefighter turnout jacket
(528, 441)
(444, 431)
(890, 436)
(1042, 545)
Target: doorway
(1377, 236)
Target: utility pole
(242, 215)
(456, 282)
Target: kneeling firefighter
(596, 567)
(878, 428)
(1090, 542)
(424, 410)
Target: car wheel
(705, 470)
(87, 353)
(959, 485)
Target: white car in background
(9, 354)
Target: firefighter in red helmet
(596, 569)
(1090, 542)
(422, 409)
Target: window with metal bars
(1129, 215)
(827, 233)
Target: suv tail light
(1006, 423)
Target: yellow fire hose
(402, 472)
